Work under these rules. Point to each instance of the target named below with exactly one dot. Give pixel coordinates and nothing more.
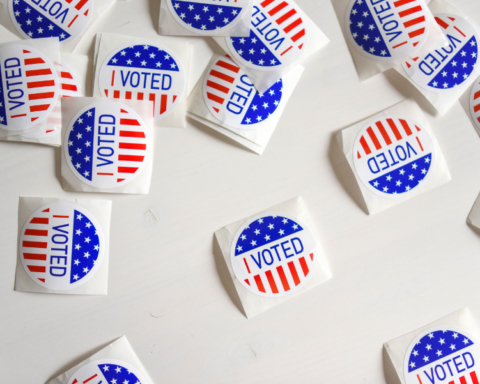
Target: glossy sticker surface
(387, 30)
(61, 246)
(273, 254)
(65, 19)
(106, 144)
(29, 87)
(107, 371)
(475, 103)
(446, 68)
(393, 156)
(208, 17)
(144, 72)
(231, 97)
(442, 355)
(278, 36)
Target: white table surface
(174, 300)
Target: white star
(89, 114)
(75, 277)
(85, 270)
(281, 232)
(239, 248)
(360, 24)
(425, 358)
(77, 246)
(439, 353)
(118, 369)
(253, 243)
(143, 63)
(452, 347)
(78, 150)
(129, 62)
(50, 27)
(197, 17)
(78, 165)
(219, 10)
(39, 18)
(40, 30)
(366, 37)
(225, 20)
(86, 174)
(257, 232)
(87, 240)
(76, 262)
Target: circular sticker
(144, 72)
(231, 97)
(106, 144)
(71, 86)
(45, 18)
(61, 246)
(207, 17)
(278, 36)
(29, 87)
(445, 68)
(475, 103)
(393, 156)
(273, 254)
(442, 355)
(387, 30)
(107, 371)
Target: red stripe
(128, 95)
(217, 86)
(132, 146)
(286, 16)
(293, 271)
(36, 232)
(222, 76)
(418, 32)
(36, 268)
(132, 134)
(80, 4)
(130, 158)
(399, 3)
(66, 75)
(163, 103)
(39, 220)
(69, 87)
(374, 138)
(93, 375)
(392, 125)
(476, 96)
(419, 143)
(228, 66)
(38, 72)
(286, 50)
(127, 169)
(441, 23)
(104, 174)
(75, 18)
(38, 108)
(215, 98)
(40, 84)
(410, 11)
(38, 96)
(36, 60)
(34, 244)
(365, 146)
(151, 97)
(384, 133)
(24, 114)
(405, 127)
(34, 256)
(283, 278)
(246, 264)
(266, 3)
(399, 45)
(129, 122)
(291, 26)
(113, 78)
(462, 380)
(271, 281)
(476, 108)
(460, 31)
(304, 265)
(140, 96)
(116, 94)
(473, 375)
(61, 216)
(418, 20)
(260, 286)
(278, 8)
(298, 35)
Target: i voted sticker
(273, 254)
(387, 30)
(61, 246)
(207, 17)
(231, 97)
(29, 87)
(65, 19)
(107, 371)
(393, 156)
(70, 82)
(106, 144)
(278, 36)
(144, 72)
(442, 355)
(475, 103)
(446, 68)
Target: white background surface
(393, 272)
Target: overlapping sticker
(446, 68)
(61, 246)
(207, 17)
(278, 36)
(231, 97)
(106, 144)
(387, 30)
(475, 103)
(273, 254)
(144, 72)
(29, 87)
(442, 355)
(70, 82)
(107, 371)
(65, 19)
(393, 156)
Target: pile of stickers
(105, 121)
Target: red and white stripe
(220, 79)
(69, 82)
(384, 133)
(413, 17)
(34, 247)
(80, 7)
(42, 86)
(287, 18)
(476, 105)
(281, 278)
(465, 380)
